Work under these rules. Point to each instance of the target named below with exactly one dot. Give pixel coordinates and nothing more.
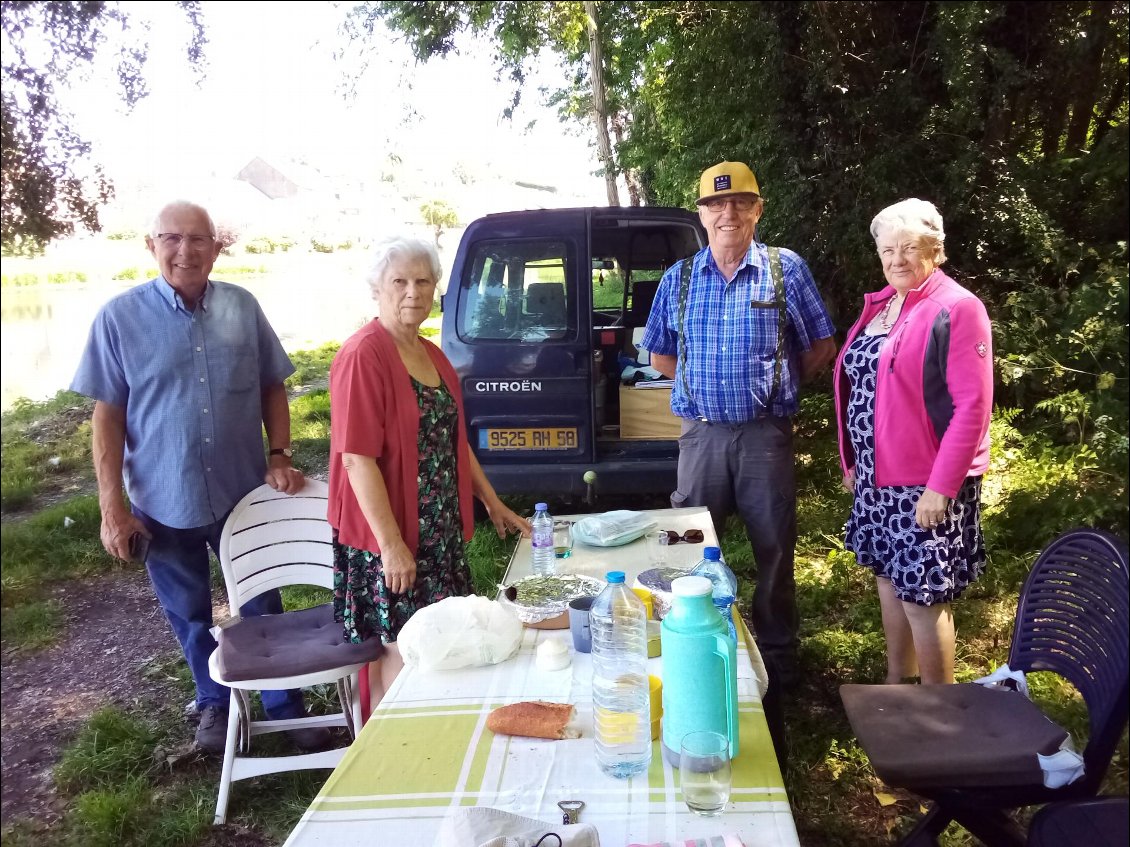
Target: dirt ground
(114, 630)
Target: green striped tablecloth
(426, 751)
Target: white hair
(155, 224)
(918, 218)
(401, 247)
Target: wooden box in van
(646, 413)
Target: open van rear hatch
(541, 307)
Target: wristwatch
(281, 451)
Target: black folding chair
(973, 751)
(1098, 822)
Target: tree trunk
(1090, 73)
(599, 107)
(630, 179)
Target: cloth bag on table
(477, 826)
(460, 632)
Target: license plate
(545, 438)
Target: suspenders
(778, 303)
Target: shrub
(127, 273)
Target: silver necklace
(885, 320)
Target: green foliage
(324, 243)
(127, 274)
(44, 547)
(264, 244)
(112, 747)
(31, 626)
(311, 365)
(439, 215)
(51, 186)
(36, 452)
(51, 278)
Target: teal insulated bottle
(700, 680)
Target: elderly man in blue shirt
(738, 326)
(185, 373)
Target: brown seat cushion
(932, 736)
(290, 644)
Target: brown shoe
(212, 733)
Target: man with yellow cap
(738, 326)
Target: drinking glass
(563, 539)
(704, 772)
(657, 543)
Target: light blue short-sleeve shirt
(191, 385)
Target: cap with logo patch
(726, 178)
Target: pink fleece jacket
(934, 388)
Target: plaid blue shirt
(730, 345)
(191, 385)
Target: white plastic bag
(612, 528)
(460, 632)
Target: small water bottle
(725, 584)
(541, 541)
(621, 697)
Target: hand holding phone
(138, 547)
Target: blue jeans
(179, 573)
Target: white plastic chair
(272, 540)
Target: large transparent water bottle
(541, 541)
(725, 584)
(620, 697)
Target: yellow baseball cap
(726, 178)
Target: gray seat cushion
(290, 644)
(932, 736)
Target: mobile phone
(138, 547)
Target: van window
(517, 290)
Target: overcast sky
(273, 88)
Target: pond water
(309, 301)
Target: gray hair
(918, 218)
(401, 247)
(155, 224)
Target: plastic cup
(579, 623)
(649, 603)
(704, 772)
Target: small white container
(553, 654)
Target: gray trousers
(749, 468)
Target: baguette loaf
(533, 719)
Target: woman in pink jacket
(914, 393)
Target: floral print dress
(925, 566)
(362, 602)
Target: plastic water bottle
(541, 541)
(725, 584)
(620, 693)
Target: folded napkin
(713, 841)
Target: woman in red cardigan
(402, 475)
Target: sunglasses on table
(691, 536)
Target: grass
(116, 794)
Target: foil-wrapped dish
(537, 599)
(658, 582)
